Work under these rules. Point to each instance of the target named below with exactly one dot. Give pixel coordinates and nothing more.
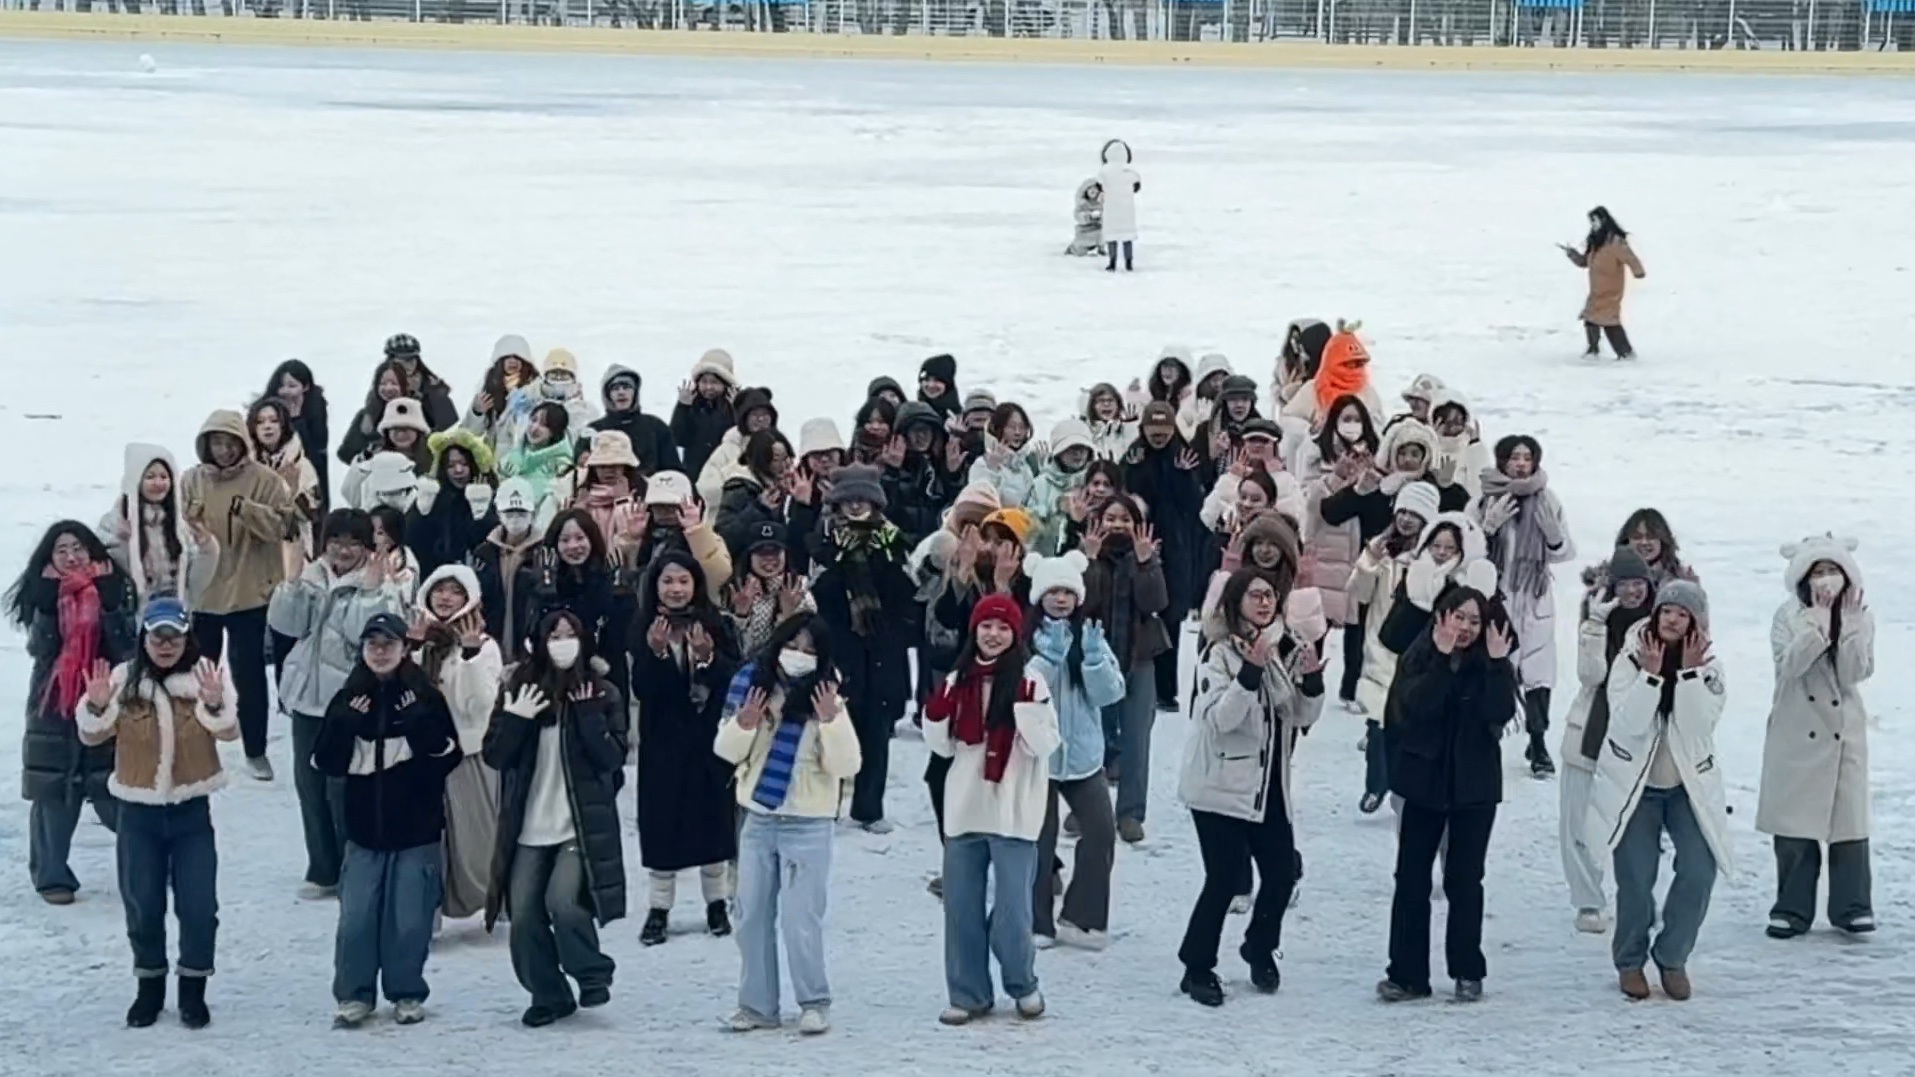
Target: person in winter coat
(1071, 655)
(1460, 455)
(77, 608)
(1088, 213)
(1303, 346)
(277, 445)
(1126, 590)
(1206, 399)
(162, 713)
(559, 384)
(674, 519)
(1406, 453)
(756, 489)
(1113, 426)
(292, 382)
(1254, 460)
(609, 485)
(755, 413)
(147, 534)
(249, 512)
(1528, 533)
(1648, 533)
(704, 413)
(1121, 187)
(1606, 255)
(452, 508)
(372, 479)
(1008, 462)
(544, 460)
(1343, 370)
(572, 570)
(1455, 689)
(558, 742)
(1162, 474)
(391, 738)
(862, 592)
(362, 435)
(993, 718)
(421, 384)
(1057, 481)
(324, 613)
(649, 438)
(500, 410)
(875, 426)
(1658, 774)
(389, 546)
(764, 593)
(1261, 540)
(1815, 784)
(1376, 583)
(937, 386)
(447, 635)
(917, 484)
(1334, 535)
(498, 559)
(791, 749)
(681, 669)
(1612, 611)
(1256, 690)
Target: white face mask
(1350, 431)
(1828, 585)
(796, 663)
(563, 652)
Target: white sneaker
(880, 826)
(814, 1021)
(1045, 942)
(261, 769)
(958, 1015)
(1070, 934)
(350, 1014)
(1351, 706)
(316, 892)
(1031, 1006)
(746, 1021)
(409, 1012)
(1240, 905)
(1591, 921)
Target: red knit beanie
(999, 607)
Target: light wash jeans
(784, 879)
(1581, 869)
(1638, 857)
(386, 904)
(972, 935)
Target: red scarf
(962, 702)
(79, 607)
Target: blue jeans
(386, 902)
(784, 878)
(1638, 856)
(1127, 726)
(51, 822)
(971, 935)
(553, 931)
(322, 805)
(161, 844)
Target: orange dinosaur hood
(1345, 368)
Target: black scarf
(1596, 730)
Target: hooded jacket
(248, 511)
(1238, 748)
(651, 438)
(1080, 706)
(140, 549)
(325, 614)
(469, 680)
(1121, 184)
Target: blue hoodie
(1080, 708)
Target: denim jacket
(1080, 708)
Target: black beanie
(941, 367)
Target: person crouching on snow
(390, 737)
(1089, 238)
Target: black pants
(874, 725)
(1798, 868)
(1225, 842)
(1352, 655)
(1126, 245)
(1618, 339)
(1173, 619)
(246, 631)
(1376, 760)
(282, 648)
(1418, 837)
(936, 769)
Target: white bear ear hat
(1049, 574)
(1802, 556)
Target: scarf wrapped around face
(1523, 539)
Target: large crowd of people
(513, 603)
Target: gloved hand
(528, 702)
(1601, 608)
(425, 493)
(1497, 512)
(1445, 471)
(478, 495)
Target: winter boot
(193, 1013)
(148, 1003)
(1263, 971)
(1540, 764)
(1203, 987)
(718, 919)
(654, 931)
(1536, 722)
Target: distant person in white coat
(1121, 185)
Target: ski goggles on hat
(165, 616)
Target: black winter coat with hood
(312, 424)
(1173, 496)
(651, 439)
(52, 759)
(1446, 714)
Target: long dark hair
(1327, 446)
(1006, 679)
(537, 668)
(375, 406)
(141, 667)
(556, 419)
(585, 523)
(1230, 603)
(281, 412)
(700, 608)
(1169, 394)
(494, 383)
(392, 522)
(1111, 470)
(169, 508)
(1034, 619)
(313, 408)
(758, 452)
(767, 676)
(1453, 599)
(20, 598)
(1605, 231)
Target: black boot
(1536, 722)
(148, 1003)
(193, 1012)
(718, 919)
(1203, 988)
(1263, 971)
(655, 924)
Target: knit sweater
(1013, 806)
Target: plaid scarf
(79, 611)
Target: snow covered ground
(166, 238)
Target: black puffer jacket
(698, 428)
(594, 736)
(600, 597)
(52, 758)
(1445, 715)
(400, 805)
(651, 438)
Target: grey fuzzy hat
(859, 482)
(1687, 594)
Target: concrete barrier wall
(493, 37)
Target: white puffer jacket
(1240, 734)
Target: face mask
(796, 663)
(563, 652)
(1828, 585)
(1350, 431)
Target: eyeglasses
(165, 634)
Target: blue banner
(1559, 4)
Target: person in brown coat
(1607, 257)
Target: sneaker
(1541, 766)
(747, 1021)
(316, 892)
(1781, 927)
(1675, 984)
(1860, 925)
(409, 1012)
(593, 997)
(1044, 942)
(1167, 706)
(1391, 991)
(1069, 934)
(1031, 1006)
(261, 769)
(537, 1016)
(1240, 905)
(936, 887)
(57, 897)
(1469, 990)
(1203, 988)
(1370, 803)
(350, 1014)
(1351, 706)
(1634, 985)
(718, 919)
(814, 1021)
(878, 826)
(1363, 742)
(148, 1003)
(1131, 830)
(656, 921)
(1591, 921)
(1072, 827)
(958, 1015)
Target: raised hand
(99, 684)
(772, 496)
(964, 564)
(690, 513)
(1077, 505)
(1310, 658)
(584, 693)
(418, 623)
(953, 453)
(745, 596)
(1187, 460)
(752, 711)
(701, 644)
(1445, 633)
(1446, 471)
(800, 485)
(1237, 464)
(1256, 651)
(1368, 481)
(211, 680)
(659, 636)
(1219, 442)
(824, 701)
(1093, 541)
(1695, 649)
(629, 522)
(471, 630)
(374, 573)
(997, 456)
(893, 454)
(1135, 456)
(1650, 653)
(791, 597)
(482, 404)
(1497, 640)
(1004, 566)
(528, 702)
(1852, 600)
(1146, 544)
(687, 392)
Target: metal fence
(1818, 25)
